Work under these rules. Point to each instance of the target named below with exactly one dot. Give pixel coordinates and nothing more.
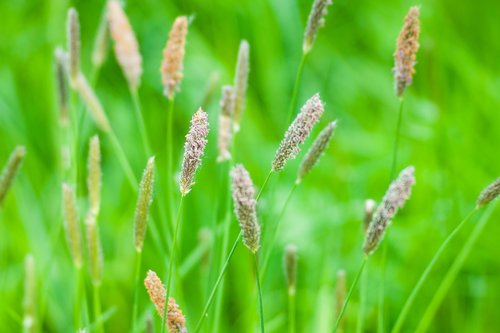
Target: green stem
(261, 306)
(140, 119)
(171, 264)
(296, 88)
(122, 158)
(291, 312)
(264, 185)
(396, 140)
(452, 273)
(219, 280)
(169, 162)
(362, 302)
(409, 302)
(349, 294)
(138, 257)
(97, 310)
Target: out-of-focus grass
(450, 133)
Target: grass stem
(140, 120)
(295, 91)
(259, 291)
(97, 310)
(169, 157)
(291, 312)
(138, 257)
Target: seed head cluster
(489, 194)
(10, 170)
(290, 262)
(225, 124)
(316, 20)
(241, 82)
(143, 204)
(173, 57)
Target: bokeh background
(450, 133)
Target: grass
(450, 133)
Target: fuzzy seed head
(30, 299)
(316, 151)
(315, 22)
(10, 170)
(100, 50)
(225, 124)
(71, 225)
(395, 197)
(245, 207)
(290, 260)
(298, 132)
(94, 249)
(241, 83)
(176, 321)
(489, 194)
(406, 51)
(143, 203)
(94, 175)
(173, 57)
(194, 148)
(125, 44)
(92, 102)
(62, 86)
(73, 39)
(370, 206)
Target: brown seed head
(316, 20)
(143, 204)
(290, 260)
(173, 57)
(10, 170)
(225, 126)
(94, 175)
(489, 194)
(245, 207)
(241, 83)
(194, 148)
(71, 225)
(395, 197)
(298, 132)
(126, 47)
(73, 39)
(406, 51)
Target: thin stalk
(219, 280)
(169, 161)
(122, 158)
(291, 312)
(97, 310)
(296, 88)
(140, 120)
(171, 264)
(261, 306)
(349, 294)
(409, 302)
(362, 302)
(452, 273)
(264, 185)
(138, 257)
(396, 140)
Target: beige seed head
(370, 206)
(194, 148)
(176, 321)
(62, 88)
(10, 170)
(489, 194)
(291, 260)
(395, 197)
(298, 132)
(316, 20)
(245, 207)
(406, 51)
(73, 39)
(71, 225)
(173, 57)
(143, 204)
(94, 250)
(241, 83)
(94, 175)
(225, 124)
(340, 294)
(100, 50)
(316, 151)
(92, 102)
(30, 299)
(126, 47)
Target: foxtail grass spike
(143, 204)
(395, 197)
(406, 51)
(94, 175)
(241, 83)
(62, 87)
(10, 170)
(92, 102)
(71, 225)
(291, 261)
(100, 50)
(316, 151)
(30, 299)
(94, 250)
(298, 132)
(194, 148)
(225, 124)
(173, 57)
(340, 295)
(245, 207)
(370, 206)
(73, 39)
(489, 194)
(125, 44)
(314, 23)
(176, 321)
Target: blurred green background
(450, 133)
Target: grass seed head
(291, 261)
(61, 60)
(173, 57)
(10, 170)
(71, 225)
(241, 83)
(92, 102)
(315, 21)
(30, 299)
(73, 39)
(370, 206)
(489, 194)
(94, 250)
(225, 124)
(143, 204)
(100, 50)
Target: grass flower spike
(194, 148)
(406, 51)
(94, 249)
(241, 82)
(93, 104)
(173, 57)
(298, 132)
(143, 204)
(489, 194)
(225, 124)
(73, 38)
(71, 225)
(94, 175)
(245, 207)
(370, 206)
(10, 170)
(100, 50)
(395, 197)
(62, 88)
(316, 20)
(126, 47)
(290, 261)
(30, 299)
